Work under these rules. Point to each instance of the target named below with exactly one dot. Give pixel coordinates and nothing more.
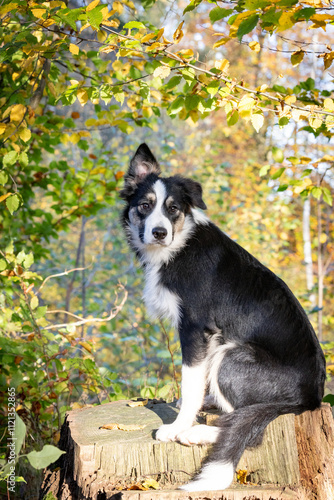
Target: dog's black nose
(159, 233)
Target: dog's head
(160, 210)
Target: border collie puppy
(245, 338)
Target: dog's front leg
(193, 386)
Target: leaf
(92, 5)
(134, 24)
(278, 173)
(34, 302)
(45, 457)
(176, 106)
(297, 57)
(20, 433)
(122, 427)
(151, 483)
(257, 120)
(264, 170)
(82, 96)
(74, 49)
(9, 158)
(219, 13)
(232, 118)
(162, 72)
(2, 128)
(178, 34)
(17, 113)
(213, 87)
(25, 134)
(13, 203)
(316, 192)
(247, 25)
(329, 104)
(278, 154)
(133, 404)
(23, 159)
(255, 46)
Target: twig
(62, 274)
(84, 321)
(172, 358)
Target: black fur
(277, 365)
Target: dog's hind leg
(260, 389)
(193, 386)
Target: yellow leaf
(17, 113)
(101, 36)
(315, 122)
(329, 104)
(329, 122)
(246, 103)
(286, 20)
(133, 404)
(82, 96)
(114, 23)
(4, 196)
(74, 49)
(160, 33)
(86, 346)
(2, 128)
(222, 65)
(92, 5)
(323, 238)
(257, 121)
(220, 42)
(151, 483)
(38, 13)
(328, 59)
(255, 46)
(25, 134)
(87, 25)
(147, 37)
(178, 34)
(122, 427)
(290, 99)
(118, 7)
(162, 72)
(297, 57)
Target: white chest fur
(159, 301)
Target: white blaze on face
(157, 218)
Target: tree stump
(295, 460)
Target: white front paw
(199, 434)
(168, 432)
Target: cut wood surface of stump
(295, 460)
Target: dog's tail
(243, 428)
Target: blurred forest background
(237, 94)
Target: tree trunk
(295, 460)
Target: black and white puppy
(245, 338)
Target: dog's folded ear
(142, 164)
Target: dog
(245, 339)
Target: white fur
(199, 217)
(160, 302)
(215, 356)
(214, 476)
(199, 434)
(193, 389)
(157, 218)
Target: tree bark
(295, 459)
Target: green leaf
(28, 260)
(212, 87)
(13, 203)
(3, 265)
(173, 82)
(20, 434)
(232, 118)
(193, 4)
(219, 13)
(327, 196)
(278, 173)
(3, 178)
(176, 106)
(191, 102)
(95, 16)
(45, 457)
(278, 154)
(247, 25)
(23, 159)
(40, 312)
(134, 24)
(316, 192)
(9, 158)
(264, 170)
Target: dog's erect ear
(193, 192)
(142, 164)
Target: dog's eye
(173, 209)
(145, 206)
